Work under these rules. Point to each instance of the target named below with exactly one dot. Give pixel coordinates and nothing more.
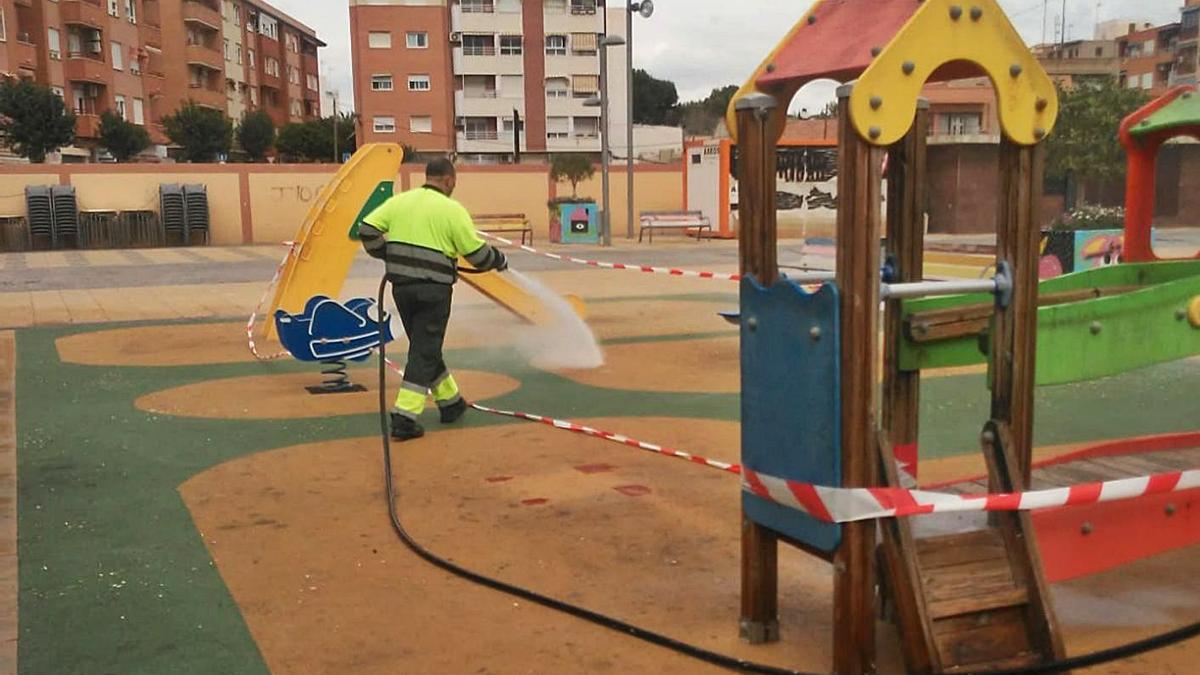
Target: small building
(1148, 57)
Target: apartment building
(1148, 57)
(1077, 61)
(457, 75)
(1187, 52)
(143, 59)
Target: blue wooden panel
(791, 399)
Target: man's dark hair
(439, 168)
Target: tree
(124, 140)
(256, 135)
(572, 167)
(700, 118)
(654, 100)
(313, 141)
(1084, 143)
(34, 120)
(201, 133)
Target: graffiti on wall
(296, 193)
(807, 179)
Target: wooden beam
(758, 120)
(1014, 328)
(858, 235)
(905, 245)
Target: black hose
(679, 646)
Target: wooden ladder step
(1019, 661)
(983, 637)
(998, 598)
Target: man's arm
(482, 255)
(372, 231)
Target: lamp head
(645, 8)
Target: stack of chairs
(66, 215)
(174, 212)
(40, 211)
(196, 213)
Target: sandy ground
(301, 538)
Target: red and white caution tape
(648, 269)
(615, 438)
(261, 301)
(846, 505)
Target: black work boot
(453, 412)
(405, 428)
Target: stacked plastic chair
(174, 212)
(196, 212)
(40, 209)
(66, 215)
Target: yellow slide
(325, 248)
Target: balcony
(83, 13)
(484, 21)
(87, 125)
(484, 140)
(151, 35)
(205, 95)
(485, 61)
(78, 68)
(486, 104)
(573, 144)
(204, 56)
(26, 53)
(200, 13)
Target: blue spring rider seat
(331, 333)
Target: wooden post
(1014, 328)
(906, 249)
(758, 121)
(858, 233)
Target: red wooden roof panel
(837, 44)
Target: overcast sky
(703, 44)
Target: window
(583, 6)
(139, 111)
(313, 83)
(268, 26)
(480, 128)
(960, 124)
(297, 110)
(250, 55)
(131, 11)
(479, 45)
(1099, 52)
(227, 52)
(512, 86)
(135, 64)
(558, 87)
(587, 127)
(293, 43)
(384, 125)
(381, 83)
(113, 8)
(419, 83)
(293, 75)
(556, 6)
(53, 43)
(118, 56)
(478, 6)
(584, 43)
(253, 95)
(1147, 80)
(379, 40)
(586, 86)
(420, 124)
(558, 127)
(3, 26)
(417, 40)
(239, 54)
(510, 45)
(271, 65)
(120, 106)
(556, 45)
(62, 93)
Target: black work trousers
(424, 309)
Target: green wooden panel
(1179, 114)
(1136, 329)
(382, 193)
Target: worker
(420, 235)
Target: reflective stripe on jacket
(422, 233)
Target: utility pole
(605, 146)
(1062, 40)
(629, 118)
(516, 136)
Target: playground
(198, 512)
(946, 459)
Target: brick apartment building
(1187, 54)
(1148, 57)
(143, 59)
(454, 75)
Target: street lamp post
(606, 41)
(646, 9)
(336, 157)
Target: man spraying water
(420, 235)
